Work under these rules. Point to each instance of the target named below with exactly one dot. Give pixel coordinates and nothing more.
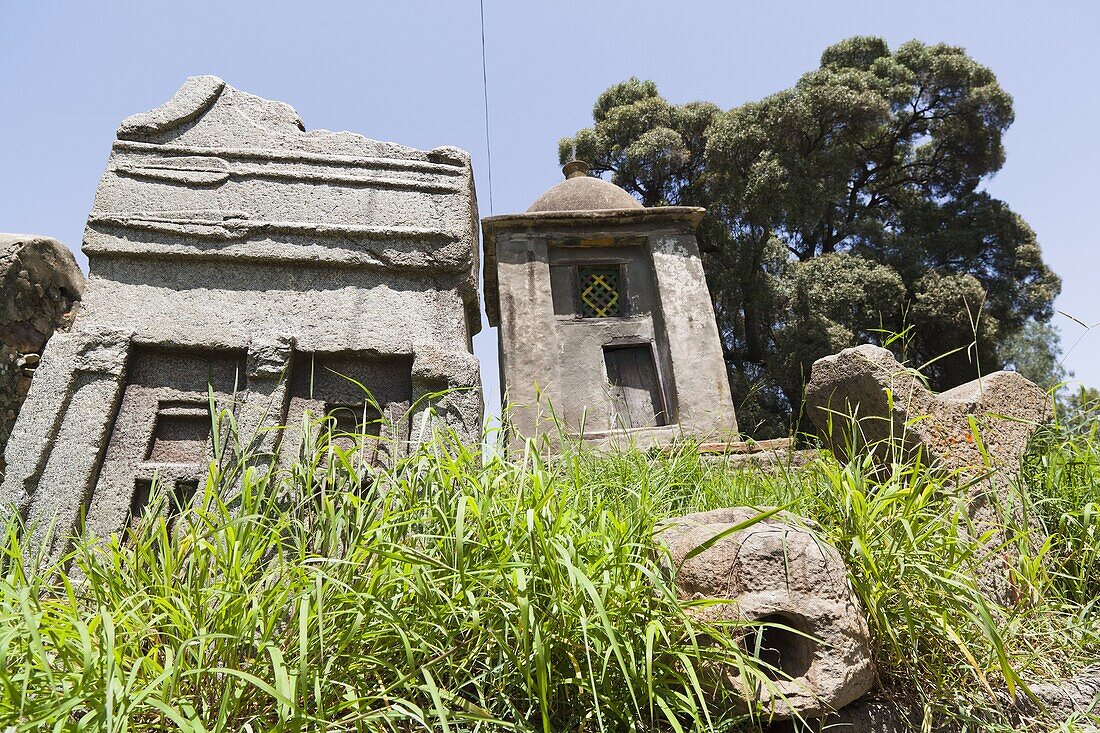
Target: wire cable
(485, 96)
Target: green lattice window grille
(600, 292)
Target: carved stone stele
(240, 261)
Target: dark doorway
(635, 388)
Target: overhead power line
(485, 96)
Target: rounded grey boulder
(813, 638)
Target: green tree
(1080, 404)
(1034, 352)
(842, 210)
(1077, 410)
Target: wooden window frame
(578, 303)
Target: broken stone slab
(891, 403)
(770, 456)
(780, 573)
(771, 461)
(863, 399)
(736, 447)
(40, 288)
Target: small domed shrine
(582, 192)
(606, 325)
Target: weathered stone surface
(777, 571)
(976, 433)
(885, 711)
(873, 713)
(607, 330)
(771, 456)
(895, 410)
(1056, 700)
(891, 402)
(40, 287)
(232, 253)
(582, 192)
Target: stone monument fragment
(238, 259)
(606, 323)
(777, 572)
(862, 398)
(1049, 706)
(1055, 701)
(40, 288)
(895, 411)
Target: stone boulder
(779, 573)
(877, 712)
(40, 286)
(1055, 701)
(1050, 705)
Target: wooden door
(635, 388)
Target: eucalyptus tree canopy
(845, 209)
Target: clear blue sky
(410, 71)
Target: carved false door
(163, 433)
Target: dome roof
(582, 192)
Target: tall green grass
(450, 593)
(440, 594)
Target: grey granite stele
(235, 255)
(607, 331)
